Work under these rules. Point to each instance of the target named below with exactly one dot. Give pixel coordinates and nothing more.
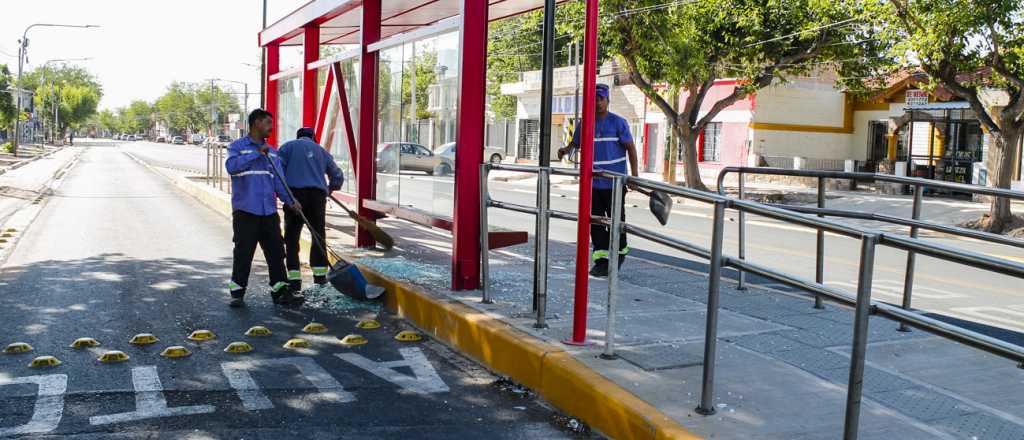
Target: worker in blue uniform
(613, 146)
(305, 164)
(254, 219)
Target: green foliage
(426, 76)
(186, 107)
(8, 107)
(73, 90)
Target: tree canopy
(73, 90)
(8, 108)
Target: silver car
(411, 157)
(492, 154)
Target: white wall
(803, 102)
(804, 144)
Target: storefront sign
(917, 97)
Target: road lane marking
(424, 378)
(1007, 316)
(49, 406)
(149, 401)
(253, 398)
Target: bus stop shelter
(355, 57)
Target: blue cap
(305, 132)
(602, 90)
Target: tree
(687, 46)
(107, 121)
(73, 90)
(140, 113)
(8, 108)
(972, 49)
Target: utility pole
(212, 117)
(576, 103)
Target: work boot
(295, 285)
(287, 297)
(320, 280)
(600, 268)
(237, 299)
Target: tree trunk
(1002, 155)
(691, 169)
(671, 153)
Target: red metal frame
(579, 308)
(310, 54)
(346, 115)
(470, 139)
(325, 104)
(273, 67)
(366, 156)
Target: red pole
(273, 67)
(579, 307)
(310, 54)
(325, 103)
(365, 159)
(350, 135)
(470, 139)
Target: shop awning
(339, 19)
(955, 105)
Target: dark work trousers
(314, 206)
(250, 230)
(601, 205)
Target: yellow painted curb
(543, 367)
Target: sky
(142, 46)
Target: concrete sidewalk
(782, 365)
(25, 178)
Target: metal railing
(915, 223)
(861, 301)
(215, 172)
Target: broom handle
(316, 237)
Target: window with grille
(712, 141)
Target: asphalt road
(984, 301)
(119, 251)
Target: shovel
(345, 277)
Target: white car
(491, 154)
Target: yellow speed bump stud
(202, 335)
(113, 356)
(17, 347)
(12, 230)
(6, 235)
(353, 339)
(44, 361)
(238, 347)
(368, 324)
(408, 336)
(315, 328)
(143, 339)
(296, 343)
(258, 330)
(84, 343)
(175, 351)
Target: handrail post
(614, 232)
(540, 261)
(485, 267)
(742, 226)
(209, 168)
(908, 280)
(860, 336)
(819, 264)
(707, 406)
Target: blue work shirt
(611, 134)
(305, 163)
(255, 187)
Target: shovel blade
(661, 206)
(347, 279)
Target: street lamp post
(22, 46)
(54, 98)
(245, 99)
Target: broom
(375, 231)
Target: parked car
(161, 139)
(492, 154)
(197, 139)
(178, 140)
(412, 157)
(217, 141)
(225, 139)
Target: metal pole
(860, 336)
(263, 65)
(576, 103)
(17, 114)
(741, 284)
(547, 83)
(819, 264)
(485, 266)
(614, 232)
(908, 280)
(540, 262)
(706, 406)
